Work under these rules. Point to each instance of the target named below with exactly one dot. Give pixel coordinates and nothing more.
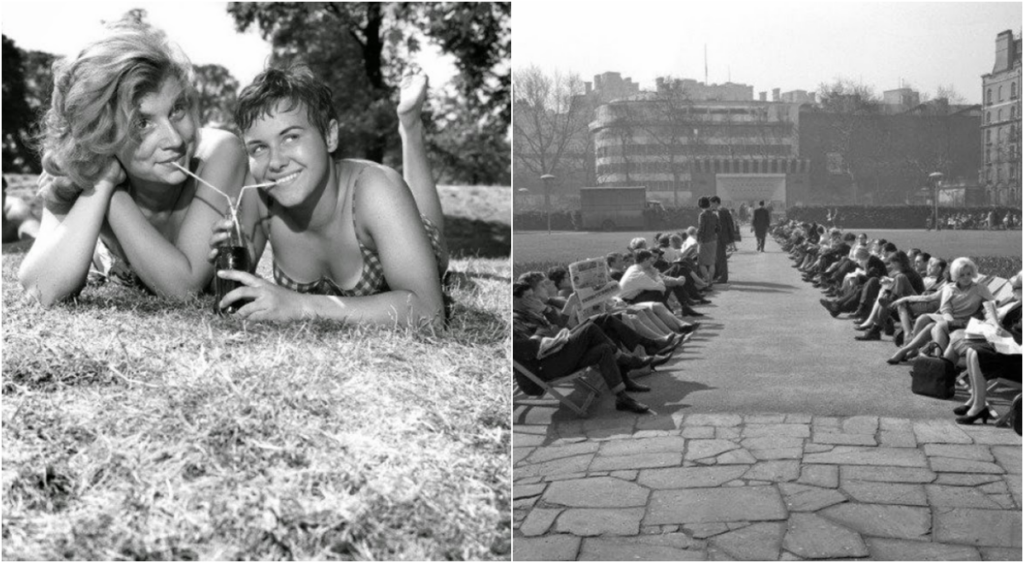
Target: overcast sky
(787, 45)
(204, 30)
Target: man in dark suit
(726, 236)
(762, 219)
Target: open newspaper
(593, 286)
(1000, 340)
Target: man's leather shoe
(627, 403)
(873, 334)
(660, 359)
(634, 387)
(688, 312)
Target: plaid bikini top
(371, 279)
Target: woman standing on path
(707, 237)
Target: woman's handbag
(933, 377)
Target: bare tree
(550, 118)
(852, 106)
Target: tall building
(1000, 127)
(681, 148)
(900, 100)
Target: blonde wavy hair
(959, 265)
(95, 102)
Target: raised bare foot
(412, 94)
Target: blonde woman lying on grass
(123, 120)
(352, 241)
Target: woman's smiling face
(285, 147)
(164, 136)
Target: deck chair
(580, 377)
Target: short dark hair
(761, 203)
(532, 278)
(849, 237)
(641, 255)
(295, 85)
(557, 274)
(889, 247)
(519, 288)
(715, 199)
(703, 202)
(925, 256)
(612, 257)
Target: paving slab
(727, 433)
(976, 453)
(882, 520)
(884, 549)
(897, 439)
(736, 457)
(548, 453)
(1000, 553)
(639, 446)
(702, 432)
(625, 474)
(1008, 457)
(621, 549)
(887, 474)
(728, 504)
(891, 424)
(953, 465)
(812, 537)
(700, 419)
(806, 498)
(527, 491)
(774, 471)
(764, 418)
(600, 521)
(997, 528)
(874, 492)
(1013, 482)
(690, 477)
(596, 492)
(538, 521)
(707, 530)
(992, 436)
(959, 497)
(546, 548)
(820, 475)
(774, 430)
(860, 425)
(967, 479)
(701, 449)
(940, 432)
(575, 464)
(756, 542)
(855, 455)
(840, 438)
(772, 442)
(519, 454)
(639, 461)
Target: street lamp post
(547, 197)
(935, 178)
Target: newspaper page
(593, 285)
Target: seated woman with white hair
(958, 302)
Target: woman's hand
(267, 301)
(112, 177)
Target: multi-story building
(681, 147)
(1001, 123)
(900, 100)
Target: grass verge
(136, 428)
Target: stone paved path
(747, 485)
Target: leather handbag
(933, 377)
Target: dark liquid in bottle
(229, 258)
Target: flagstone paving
(686, 486)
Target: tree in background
(851, 107)
(550, 122)
(361, 50)
(218, 94)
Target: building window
(989, 96)
(999, 116)
(1013, 90)
(988, 135)
(988, 117)
(1013, 112)
(1000, 93)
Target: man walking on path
(759, 225)
(726, 237)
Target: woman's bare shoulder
(218, 143)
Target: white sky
(204, 30)
(771, 44)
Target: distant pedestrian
(759, 225)
(726, 237)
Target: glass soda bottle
(232, 254)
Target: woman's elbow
(29, 281)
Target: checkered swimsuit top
(371, 280)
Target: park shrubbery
(888, 217)
(674, 218)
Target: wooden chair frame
(579, 376)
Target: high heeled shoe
(983, 414)
(896, 360)
(961, 410)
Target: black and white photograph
(256, 280)
(766, 297)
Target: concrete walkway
(761, 448)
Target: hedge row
(676, 218)
(891, 217)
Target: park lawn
(138, 428)
(996, 252)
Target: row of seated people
(640, 330)
(913, 297)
